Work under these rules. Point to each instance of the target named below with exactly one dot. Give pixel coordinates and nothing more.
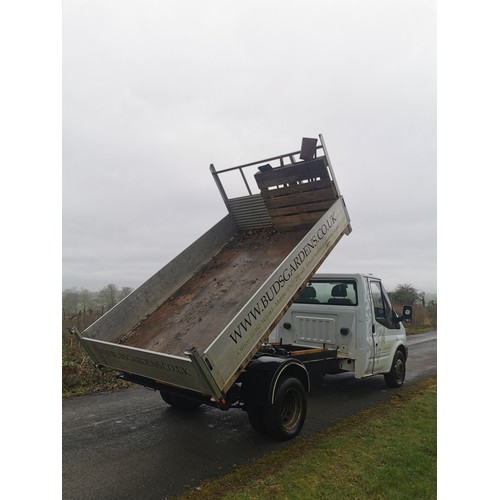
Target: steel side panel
(114, 324)
(173, 370)
(235, 345)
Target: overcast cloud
(154, 91)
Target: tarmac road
(129, 444)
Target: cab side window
(381, 307)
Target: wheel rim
(399, 370)
(291, 410)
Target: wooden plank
(305, 208)
(308, 351)
(290, 177)
(298, 188)
(292, 174)
(301, 199)
(300, 195)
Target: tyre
(284, 419)
(166, 397)
(396, 377)
(256, 417)
(178, 401)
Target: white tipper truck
(232, 322)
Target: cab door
(384, 329)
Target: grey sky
(153, 92)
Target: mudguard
(261, 378)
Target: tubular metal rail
(286, 195)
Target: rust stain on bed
(200, 309)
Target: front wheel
(285, 417)
(396, 377)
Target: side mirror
(407, 314)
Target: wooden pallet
(297, 195)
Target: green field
(387, 452)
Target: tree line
(407, 294)
(83, 302)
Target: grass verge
(79, 375)
(382, 453)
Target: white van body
(349, 313)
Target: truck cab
(352, 315)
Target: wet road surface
(129, 444)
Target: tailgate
(183, 372)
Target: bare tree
(126, 290)
(85, 301)
(109, 296)
(70, 302)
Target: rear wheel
(166, 397)
(178, 401)
(256, 417)
(396, 377)
(284, 419)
